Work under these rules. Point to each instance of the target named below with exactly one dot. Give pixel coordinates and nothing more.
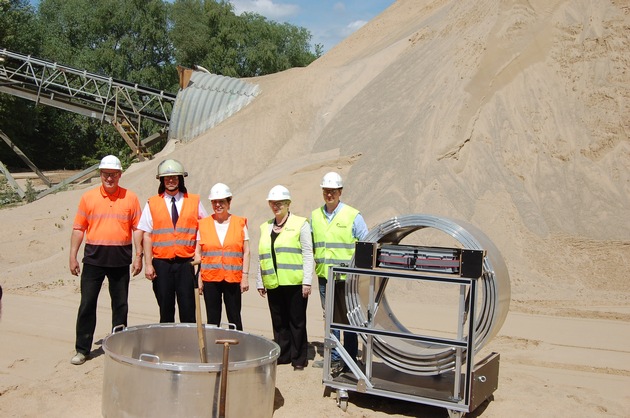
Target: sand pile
(512, 116)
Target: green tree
(272, 47)
(18, 26)
(124, 39)
(18, 32)
(208, 33)
(8, 196)
(138, 41)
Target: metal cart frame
(459, 391)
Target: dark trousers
(213, 292)
(92, 278)
(174, 281)
(288, 319)
(350, 339)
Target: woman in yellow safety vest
(223, 249)
(285, 253)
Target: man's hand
(149, 271)
(136, 266)
(74, 266)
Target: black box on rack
(472, 263)
(365, 255)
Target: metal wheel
(342, 399)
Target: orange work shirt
(108, 221)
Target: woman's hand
(306, 290)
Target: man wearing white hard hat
(108, 218)
(336, 228)
(285, 253)
(223, 249)
(170, 222)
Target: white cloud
(267, 8)
(339, 7)
(353, 27)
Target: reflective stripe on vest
(288, 250)
(169, 242)
(222, 262)
(333, 243)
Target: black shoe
(337, 367)
(296, 368)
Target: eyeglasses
(109, 174)
(277, 203)
(331, 192)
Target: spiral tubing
(421, 358)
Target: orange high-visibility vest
(169, 242)
(222, 262)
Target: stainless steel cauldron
(155, 371)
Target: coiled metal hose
(420, 358)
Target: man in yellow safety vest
(336, 228)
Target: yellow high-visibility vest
(288, 250)
(333, 243)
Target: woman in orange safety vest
(223, 249)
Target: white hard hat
(110, 162)
(331, 180)
(219, 191)
(170, 168)
(279, 193)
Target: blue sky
(329, 21)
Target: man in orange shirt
(108, 217)
(170, 222)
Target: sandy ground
(512, 116)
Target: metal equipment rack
(460, 388)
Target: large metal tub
(155, 371)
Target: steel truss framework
(123, 104)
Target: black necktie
(174, 214)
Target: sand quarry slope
(511, 115)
